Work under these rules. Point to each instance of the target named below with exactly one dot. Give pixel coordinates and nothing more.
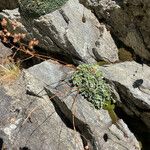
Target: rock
(40, 109)
(14, 16)
(31, 121)
(132, 81)
(76, 36)
(11, 14)
(4, 52)
(8, 4)
(72, 30)
(95, 126)
(129, 21)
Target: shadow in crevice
(24, 148)
(1, 143)
(71, 121)
(137, 127)
(126, 53)
(134, 123)
(137, 83)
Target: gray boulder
(31, 121)
(14, 16)
(132, 81)
(72, 30)
(129, 21)
(95, 126)
(4, 52)
(41, 110)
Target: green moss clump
(125, 55)
(91, 84)
(101, 63)
(36, 8)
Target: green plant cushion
(36, 8)
(91, 84)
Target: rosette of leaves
(91, 84)
(36, 8)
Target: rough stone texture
(31, 121)
(129, 21)
(8, 4)
(4, 52)
(11, 14)
(14, 15)
(92, 124)
(72, 30)
(132, 82)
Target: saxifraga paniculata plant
(91, 84)
(36, 8)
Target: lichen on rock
(36, 8)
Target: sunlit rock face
(129, 21)
(72, 30)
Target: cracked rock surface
(41, 110)
(74, 110)
(72, 30)
(132, 81)
(4, 52)
(129, 21)
(31, 121)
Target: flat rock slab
(129, 21)
(41, 110)
(133, 83)
(72, 30)
(31, 121)
(92, 124)
(4, 52)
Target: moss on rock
(36, 8)
(125, 55)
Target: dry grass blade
(9, 71)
